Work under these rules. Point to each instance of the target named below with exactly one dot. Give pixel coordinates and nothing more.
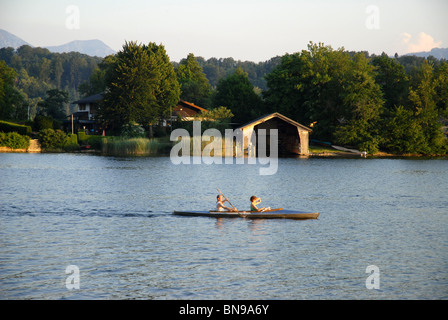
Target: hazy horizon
(244, 29)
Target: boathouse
(293, 138)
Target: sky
(252, 30)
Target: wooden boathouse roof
(267, 117)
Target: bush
(95, 141)
(52, 139)
(42, 122)
(71, 143)
(13, 127)
(132, 130)
(72, 138)
(14, 140)
(82, 137)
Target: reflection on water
(112, 218)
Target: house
(84, 119)
(293, 138)
(186, 110)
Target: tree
(220, 114)
(441, 89)
(423, 101)
(97, 81)
(402, 132)
(363, 102)
(237, 93)
(54, 104)
(11, 100)
(392, 78)
(141, 86)
(195, 87)
(332, 87)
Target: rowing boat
(268, 214)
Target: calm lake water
(112, 218)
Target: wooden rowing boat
(268, 214)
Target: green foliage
(52, 139)
(195, 87)
(391, 77)
(141, 86)
(42, 122)
(217, 69)
(38, 70)
(97, 80)
(220, 114)
(237, 93)
(396, 104)
(368, 104)
(14, 140)
(13, 127)
(332, 87)
(133, 130)
(95, 141)
(72, 138)
(121, 146)
(54, 104)
(11, 100)
(71, 143)
(82, 137)
(402, 132)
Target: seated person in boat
(220, 204)
(253, 204)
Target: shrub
(42, 122)
(13, 127)
(133, 130)
(14, 140)
(71, 143)
(82, 137)
(52, 139)
(95, 141)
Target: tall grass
(119, 146)
(207, 146)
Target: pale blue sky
(243, 29)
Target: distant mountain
(438, 53)
(89, 47)
(9, 40)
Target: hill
(438, 53)
(94, 48)
(9, 40)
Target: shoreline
(326, 154)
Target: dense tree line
(396, 104)
(37, 71)
(369, 103)
(217, 69)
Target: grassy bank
(120, 146)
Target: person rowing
(220, 204)
(253, 204)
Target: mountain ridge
(96, 47)
(93, 47)
(438, 53)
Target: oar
(226, 199)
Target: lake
(111, 218)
